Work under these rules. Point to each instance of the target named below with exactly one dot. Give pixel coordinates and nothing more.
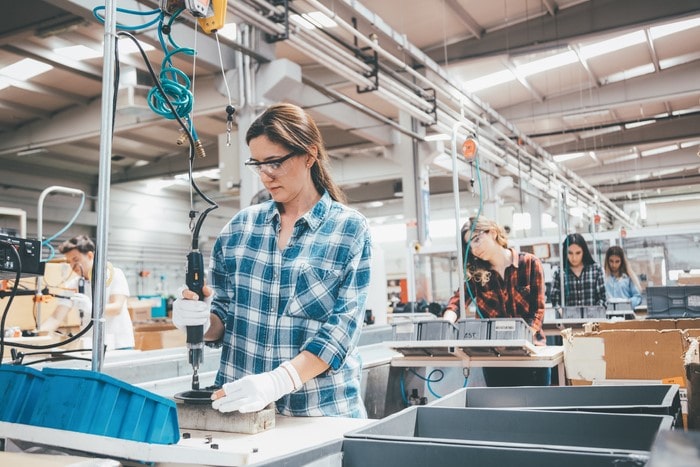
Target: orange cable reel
(470, 148)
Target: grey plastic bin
(472, 329)
(656, 399)
(576, 431)
(381, 453)
(426, 330)
(509, 328)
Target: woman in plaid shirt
(290, 279)
(584, 282)
(504, 284)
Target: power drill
(194, 279)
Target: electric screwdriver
(194, 279)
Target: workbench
(478, 354)
(291, 436)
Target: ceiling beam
(472, 25)
(675, 128)
(680, 159)
(57, 61)
(659, 183)
(569, 24)
(85, 122)
(182, 30)
(674, 82)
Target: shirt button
(269, 349)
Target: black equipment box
(682, 301)
(29, 252)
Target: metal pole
(458, 236)
(562, 217)
(104, 180)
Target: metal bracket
(371, 59)
(432, 99)
(279, 18)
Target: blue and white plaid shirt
(309, 296)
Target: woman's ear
(311, 156)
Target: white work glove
(188, 312)
(450, 316)
(255, 392)
(82, 302)
(50, 325)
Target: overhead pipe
(397, 91)
(246, 12)
(430, 64)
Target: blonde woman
(504, 284)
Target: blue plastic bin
(158, 310)
(95, 403)
(20, 387)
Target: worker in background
(621, 282)
(289, 278)
(504, 284)
(584, 283)
(80, 254)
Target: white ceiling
(626, 121)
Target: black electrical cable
(18, 357)
(188, 133)
(12, 296)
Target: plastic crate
(468, 329)
(404, 330)
(436, 330)
(20, 388)
(509, 328)
(584, 312)
(673, 302)
(382, 453)
(95, 403)
(577, 431)
(424, 330)
(158, 309)
(654, 399)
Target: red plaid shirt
(507, 298)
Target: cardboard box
(688, 279)
(692, 376)
(158, 334)
(658, 324)
(641, 354)
(651, 351)
(139, 310)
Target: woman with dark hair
(584, 283)
(621, 281)
(504, 284)
(290, 278)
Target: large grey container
(584, 312)
(655, 399)
(426, 330)
(436, 330)
(384, 453)
(509, 328)
(575, 431)
(469, 328)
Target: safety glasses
(271, 168)
(477, 237)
